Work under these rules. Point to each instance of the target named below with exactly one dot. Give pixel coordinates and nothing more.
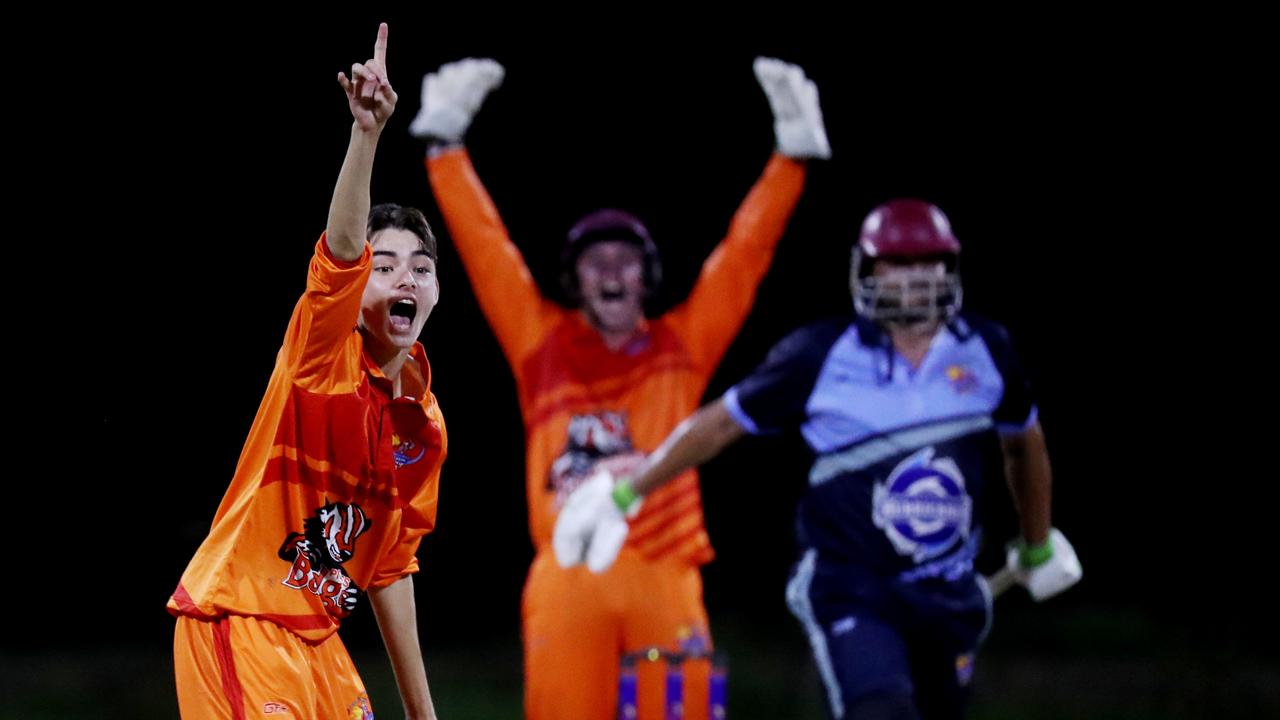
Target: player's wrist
(437, 146)
(370, 134)
(1034, 555)
(624, 496)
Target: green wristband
(624, 496)
(1034, 555)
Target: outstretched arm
(592, 526)
(695, 441)
(726, 287)
(508, 295)
(372, 101)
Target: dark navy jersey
(901, 453)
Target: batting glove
(1045, 569)
(592, 526)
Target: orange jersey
(337, 481)
(582, 401)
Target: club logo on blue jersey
(923, 507)
(962, 379)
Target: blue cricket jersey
(901, 454)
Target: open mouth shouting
(402, 313)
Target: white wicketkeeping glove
(797, 116)
(452, 95)
(607, 541)
(578, 518)
(1052, 575)
(591, 527)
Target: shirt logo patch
(317, 555)
(962, 379)
(407, 452)
(923, 507)
(591, 438)
(360, 709)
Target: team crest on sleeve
(317, 555)
(923, 507)
(592, 437)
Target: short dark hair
(391, 215)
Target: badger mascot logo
(591, 438)
(317, 555)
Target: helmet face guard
(926, 290)
(908, 297)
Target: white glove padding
(582, 512)
(452, 95)
(1059, 572)
(590, 525)
(797, 116)
(607, 540)
(611, 528)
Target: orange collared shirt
(582, 401)
(337, 482)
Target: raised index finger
(380, 46)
